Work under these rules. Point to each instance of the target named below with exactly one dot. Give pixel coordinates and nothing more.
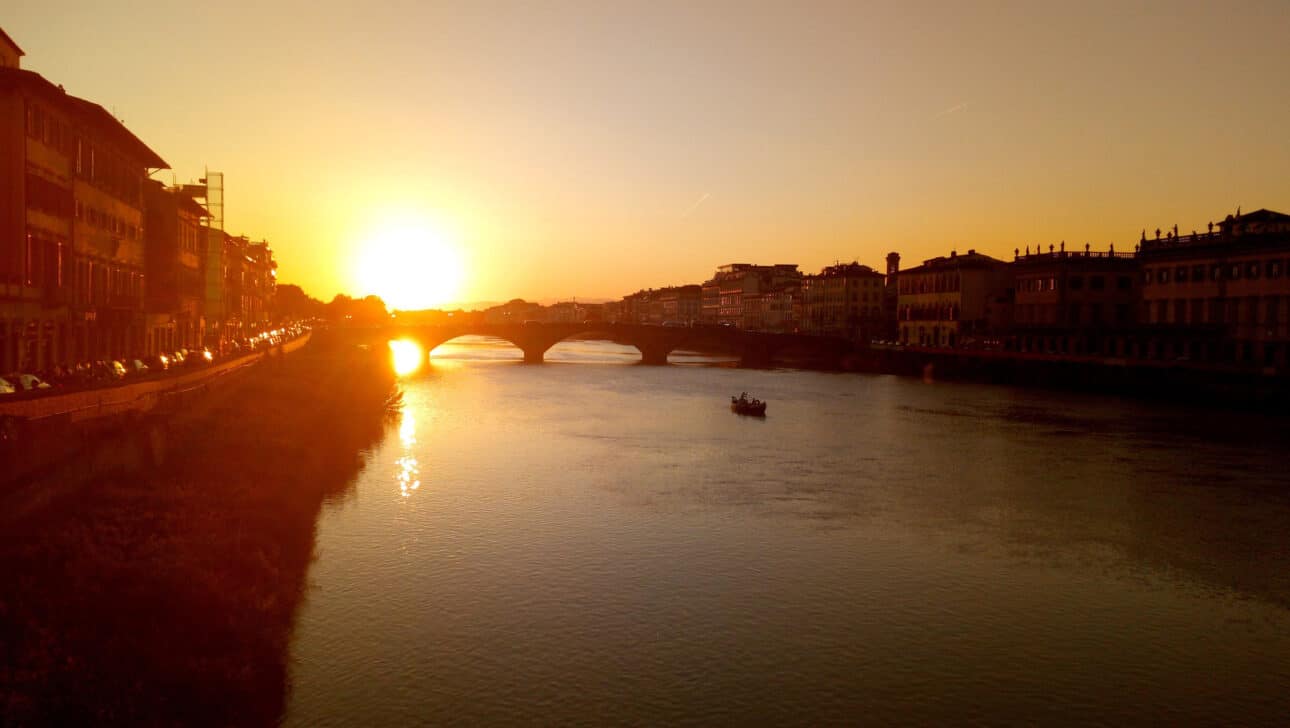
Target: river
(595, 542)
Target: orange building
(175, 237)
(955, 300)
(72, 261)
(844, 300)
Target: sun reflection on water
(408, 475)
(408, 428)
(407, 356)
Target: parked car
(28, 382)
(157, 362)
(136, 368)
(199, 357)
(7, 387)
(110, 369)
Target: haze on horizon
(577, 149)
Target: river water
(595, 542)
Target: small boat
(744, 406)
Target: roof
(5, 37)
(841, 270)
(1263, 215)
(87, 112)
(973, 259)
(187, 204)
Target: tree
(367, 310)
(291, 303)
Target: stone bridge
(753, 348)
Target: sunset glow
(411, 264)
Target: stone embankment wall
(90, 431)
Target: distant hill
(481, 305)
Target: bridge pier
(654, 355)
(534, 354)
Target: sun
(411, 265)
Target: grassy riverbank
(167, 597)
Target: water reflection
(408, 474)
(407, 356)
(408, 427)
(935, 554)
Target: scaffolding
(210, 189)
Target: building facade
(954, 300)
(1221, 296)
(681, 304)
(736, 281)
(175, 291)
(72, 249)
(1074, 302)
(844, 300)
(250, 278)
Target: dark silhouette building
(1074, 302)
(1221, 295)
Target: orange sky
(592, 148)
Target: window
(1274, 269)
(1216, 272)
(1180, 274)
(1252, 269)
(1234, 273)
(1097, 283)
(1162, 275)
(1146, 275)
(1124, 283)
(1198, 273)
(1076, 283)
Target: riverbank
(165, 595)
(1228, 388)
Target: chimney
(954, 253)
(971, 251)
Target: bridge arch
(655, 343)
(508, 345)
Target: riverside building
(1081, 302)
(844, 300)
(735, 282)
(72, 250)
(954, 300)
(1220, 296)
(174, 240)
